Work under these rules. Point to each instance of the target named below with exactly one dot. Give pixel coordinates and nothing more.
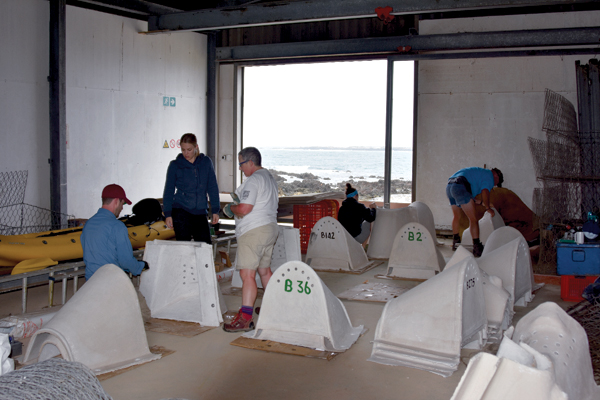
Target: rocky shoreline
(310, 183)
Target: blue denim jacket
(188, 184)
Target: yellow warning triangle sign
(166, 145)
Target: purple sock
(247, 310)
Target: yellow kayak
(65, 244)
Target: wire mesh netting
(20, 219)
(17, 217)
(567, 164)
(52, 379)
(587, 313)
(559, 115)
(12, 187)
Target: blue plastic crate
(578, 259)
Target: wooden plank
(364, 269)
(178, 328)
(282, 348)
(154, 350)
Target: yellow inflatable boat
(34, 251)
(65, 244)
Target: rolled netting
(50, 380)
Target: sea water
(338, 165)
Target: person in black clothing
(355, 216)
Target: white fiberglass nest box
(549, 330)
(546, 357)
(385, 227)
(389, 221)
(425, 218)
(427, 326)
(414, 254)
(489, 377)
(331, 247)
(487, 224)
(498, 302)
(298, 309)
(506, 255)
(101, 326)
(287, 248)
(181, 283)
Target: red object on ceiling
(383, 13)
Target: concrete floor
(206, 366)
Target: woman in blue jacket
(190, 178)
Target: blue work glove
(236, 199)
(227, 211)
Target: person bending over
(256, 231)
(355, 216)
(461, 189)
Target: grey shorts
(255, 247)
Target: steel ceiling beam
(286, 12)
(417, 43)
(141, 7)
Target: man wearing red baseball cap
(105, 239)
(115, 191)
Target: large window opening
(319, 126)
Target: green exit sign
(169, 101)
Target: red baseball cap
(114, 191)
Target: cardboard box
(222, 261)
(225, 259)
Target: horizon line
(335, 148)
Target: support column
(387, 173)
(211, 99)
(57, 109)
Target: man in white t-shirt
(256, 231)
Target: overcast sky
(329, 104)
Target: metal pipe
(64, 289)
(24, 296)
(51, 289)
(75, 280)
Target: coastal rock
(310, 183)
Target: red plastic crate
(572, 286)
(307, 215)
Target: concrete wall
(24, 129)
(480, 112)
(227, 129)
(116, 122)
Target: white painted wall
(24, 129)
(478, 112)
(116, 122)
